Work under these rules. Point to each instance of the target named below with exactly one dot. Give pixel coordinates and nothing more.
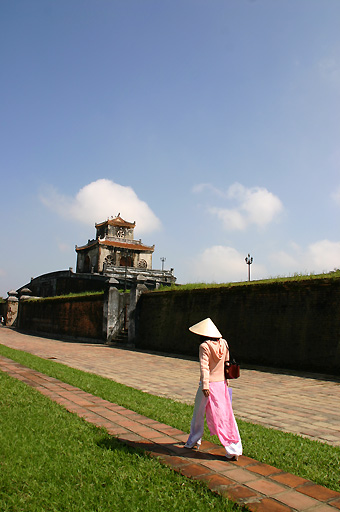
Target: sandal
(195, 445)
(233, 457)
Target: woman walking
(212, 398)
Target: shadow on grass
(162, 450)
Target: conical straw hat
(206, 328)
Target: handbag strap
(231, 359)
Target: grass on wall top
(69, 296)
(335, 274)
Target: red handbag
(231, 367)
(231, 371)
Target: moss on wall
(293, 324)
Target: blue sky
(215, 125)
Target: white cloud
(325, 255)
(102, 199)
(260, 206)
(319, 257)
(253, 206)
(222, 264)
(232, 220)
(284, 264)
(201, 187)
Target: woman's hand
(206, 392)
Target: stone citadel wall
(292, 324)
(74, 317)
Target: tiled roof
(122, 245)
(92, 243)
(116, 221)
(127, 245)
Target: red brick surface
(288, 479)
(318, 492)
(216, 481)
(194, 470)
(265, 487)
(238, 493)
(297, 501)
(264, 469)
(335, 503)
(268, 505)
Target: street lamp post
(163, 260)
(249, 261)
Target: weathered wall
(78, 317)
(295, 324)
(11, 311)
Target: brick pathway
(262, 488)
(302, 404)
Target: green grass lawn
(309, 459)
(52, 460)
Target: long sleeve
(204, 365)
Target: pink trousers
(220, 418)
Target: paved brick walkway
(262, 488)
(302, 404)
